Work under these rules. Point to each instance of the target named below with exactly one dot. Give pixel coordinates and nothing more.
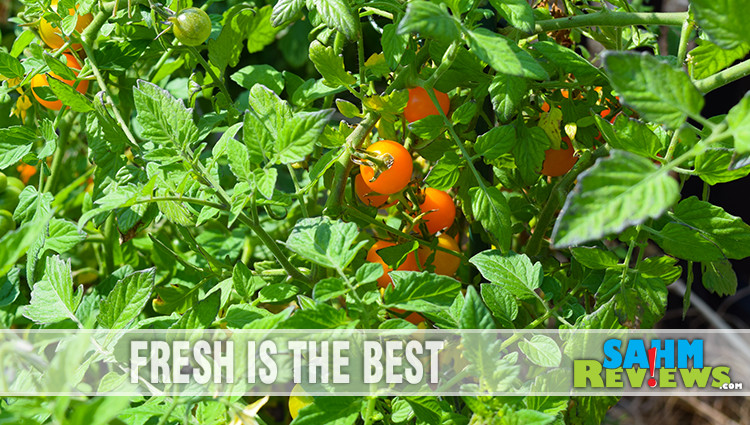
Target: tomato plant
(274, 165)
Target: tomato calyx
(379, 163)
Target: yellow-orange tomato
(420, 105)
(443, 210)
(410, 264)
(445, 264)
(367, 196)
(40, 80)
(51, 35)
(396, 176)
(559, 161)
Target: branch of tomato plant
(724, 77)
(364, 217)
(62, 146)
(207, 67)
(341, 176)
(559, 191)
(687, 29)
(610, 19)
(253, 224)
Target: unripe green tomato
(6, 222)
(16, 182)
(9, 198)
(3, 182)
(191, 26)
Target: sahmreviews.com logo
(667, 363)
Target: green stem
(62, 146)
(207, 67)
(300, 196)
(610, 19)
(110, 236)
(341, 176)
(370, 410)
(724, 77)
(687, 28)
(547, 216)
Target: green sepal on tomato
(394, 174)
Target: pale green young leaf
(164, 119)
(337, 14)
(329, 243)
(738, 121)
(52, 298)
(541, 350)
(127, 299)
(15, 143)
(330, 65)
(514, 272)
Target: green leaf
(430, 21)
(700, 231)
(277, 293)
(707, 59)
(421, 291)
(321, 316)
(284, 11)
(506, 94)
(297, 138)
(331, 287)
(595, 258)
(446, 172)
(325, 242)
(496, 142)
(738, 121)
(127, 299)
(337, 14)
(630, 135)
(52, 298)
(164, 119)
(503, 55)
(10, 67)
(517, 12)
(541, 350)
(330, 411)
(267, 75)
(394, 45)
(330, 65)
(570, 62)
(723, 20)
(715, 165)
(427, 409)
(9, 287)
(513, 272)
(654, 88)
(501, 302)
(201, 315)
(474, 314)
(15, 143)
(244, 282)
(641, 302)
(14, 245)
(617, 192)
(429, 127)
(260, 32)
(491, 209)
(719, 277)
(529, 155)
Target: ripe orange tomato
(367, 196)
(51, 35)
(445, 264)
(397, 176)
(410, 264)
(445, 210)
(420, 105)
(559, 161)
(40, 80)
